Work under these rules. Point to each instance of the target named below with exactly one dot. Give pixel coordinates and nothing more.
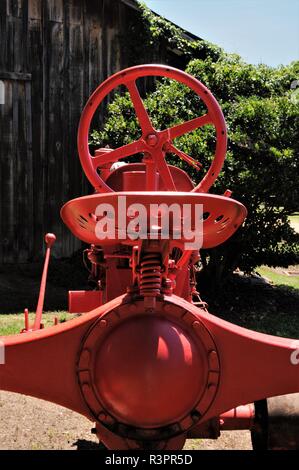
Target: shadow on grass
(252, 303)
(19, 284)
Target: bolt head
(152, 140)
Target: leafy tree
(262, 161)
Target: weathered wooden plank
(3, 151)
(4, 75)
(77, 77)
(29, 169)
(46, 51)
(55, 128)
(35, 51)
(35, 9)
(25, 36)
(77, 86)
(104, 38)
(21, 234)
(75, 12)
(9, 42)
(69, 11)
(7, 176)
(3, 34)
(14, 7)
(95, 57)
(55, 9)
(18, 46)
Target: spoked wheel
(155, 144)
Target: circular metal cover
(148, 375)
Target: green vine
(153, 37)
(161, 30)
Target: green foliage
(163, 32)
(152, 37)
(262, 161)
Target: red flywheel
(155, 143)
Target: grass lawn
(294, 221)
(279, 279)
(14, 322)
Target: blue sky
(261, 31)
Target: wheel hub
(144, 374)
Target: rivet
(105, 418)
(213, 360)
(211, 386)
(103, 323)
(85, 355)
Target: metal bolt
(152, 140)
(85, 355)
(211, 386)
(213, 360)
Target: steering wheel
(153, 143)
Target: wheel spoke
(143, 118)
(188, 126)
(151, 180)
(163, 169)
(117, 154)
(197, 165)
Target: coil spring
(150, 275)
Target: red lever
(50, 239)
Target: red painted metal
(26, 318)
(84, 300)
(50, 239)
(124, 178)
(232, 378)
(238, 418)
(146, 361)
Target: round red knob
(50, 239)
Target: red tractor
(145, 360)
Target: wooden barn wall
(53, 54)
